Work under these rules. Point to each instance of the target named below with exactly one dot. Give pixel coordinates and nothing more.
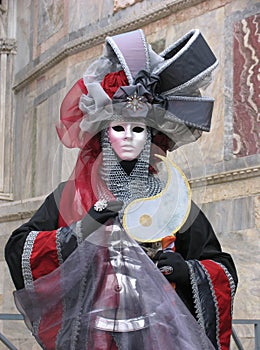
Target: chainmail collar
(138, 184)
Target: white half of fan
(150, 219)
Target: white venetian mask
(127, 138)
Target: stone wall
(55, 43)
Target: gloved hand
(180, 270)
(94, 219)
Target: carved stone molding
(97, 37)
(121, 4)
(229, 176)
(7, 46)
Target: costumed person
(92, 267)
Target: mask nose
(128, 132)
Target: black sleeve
(45, 219)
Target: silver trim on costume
(196, 298)
(78, 231)
(26, 255)
(147, 61)
(58, 246)
(231, 284)
(27, 271)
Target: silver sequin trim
(148, 63)
(231, 284)
(58, 245)
(60, 259)
(27, 271)
(190, 98)
(77, 229)
(26, 255)
(196, 298)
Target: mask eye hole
(138, 129)
(118, 128)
